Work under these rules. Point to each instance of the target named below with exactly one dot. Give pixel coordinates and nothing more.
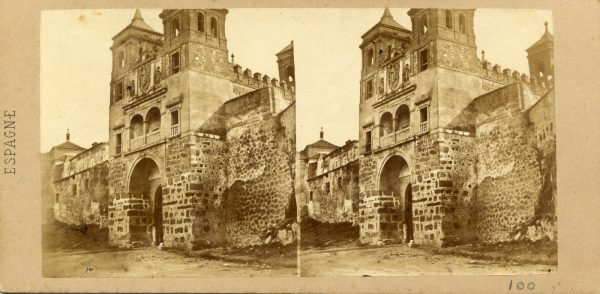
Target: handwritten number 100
(521, 285)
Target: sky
(76, 61)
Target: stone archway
(395, 180)
(394, 176)
(145, 190)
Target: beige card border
(577, 38)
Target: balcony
(424, 127)
(152, 137)
(136, 142)
(175, 130)
(395, 137)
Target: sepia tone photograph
(427, 145)
(162, 156)
(170, 147)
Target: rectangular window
(369, 89)
(175, 122)
(424, 116)
(327, 188)
(423, 59)
(118, 143)
(175, 63)
(311, 196)
(57, 199)
(174, 117)
(119, 91)
(368, 141)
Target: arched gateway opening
(394, 180)
(394, 177)
(145, 185)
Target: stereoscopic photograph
(162, 156)
(422, 142)
(427, 144)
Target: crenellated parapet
(258, 80)
(538, 86)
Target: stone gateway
(201, 152)
(451, 149)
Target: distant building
(452, 149)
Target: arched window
(290, 73)
(201, 22)
(461, 23)
(121, 59)
(423, 24)
(386, 124)
(136, 127)
(153, 119)
(176, 27)
(213, 27)
(448, 18)
(402, 117)
(370, 57)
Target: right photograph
(432, 149)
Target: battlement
(538, 86)
(258, 80)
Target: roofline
(137, 28)
(386, 26)
(89, 149)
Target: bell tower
(130, 44)
(541, 56)
(285, 62)
(443, 37)
(195, 39)
(384, 41)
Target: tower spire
(386, 13)
(322, 133)
(68, 135)
(137, 15)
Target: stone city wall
(335, 194)
(82, 198)
(260, 175)
(516, 172)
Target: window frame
(423, 53)
(369, 88)
(119, 91)
(175, 69)
(201, 22)
(368, 140)
(449, 19)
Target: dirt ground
(151, 262)
(400, 260)
(83, 251)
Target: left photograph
(161, 155)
